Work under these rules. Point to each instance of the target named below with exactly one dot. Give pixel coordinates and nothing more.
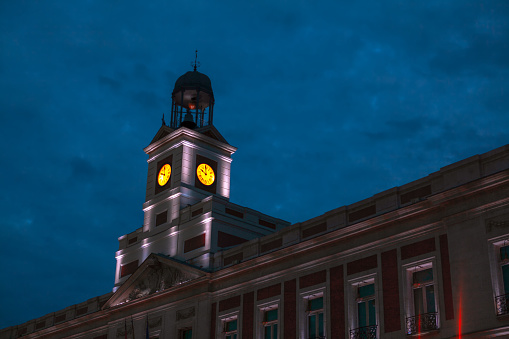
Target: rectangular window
(267, 224)
(421, 300)
(161, 218)
(234, 213)
(504, 263)
(270, 324)
(230, 329)
(128, 268)
(194, 243)
(186, 333)
(196, 212)
(366, 313)
(499, 261)
(315, 318)
(424, 292)
(362, 307)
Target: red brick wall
(213, 321)
(446, 276)
(337, 302)
(226, 304)
(314, 230)
(312, 279)
(361, 265)
(271, 245)
(81, 311)
(60, 318)
(290, 304)
(390, 290)
(248, 315)
(361, 214)
(416, 194)
(418, 248)
(268, 292)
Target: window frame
(234, 332)
(304, 299)
(264, 307)
(496, 264)
(182, 331)
(225, 318)
(353, 300)
(408, 287)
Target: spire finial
(162, 119)
(196, 63)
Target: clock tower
(187, 212)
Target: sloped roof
(161, 133)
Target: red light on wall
(192, 105)
(460, 320)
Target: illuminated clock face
(164, 175)
(205, 174)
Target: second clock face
(164, 175)
(205, 174)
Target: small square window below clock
(161, 218)
(128, 268)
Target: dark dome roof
(193, 79)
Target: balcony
(502, 302)
(366, 332)
(421, 323)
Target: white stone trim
(351, 299)
(261, 308)
(302, 305)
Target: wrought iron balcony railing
(502, 302)
(421, 323)
(366, 332)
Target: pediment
(156, 274)
(163, 131)
(211, 132)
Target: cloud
(328, 103)
(112, 83)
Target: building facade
(429, 258)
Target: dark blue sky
(328, 102)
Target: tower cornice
(186, 133)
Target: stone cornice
(184, 132)
(430, 206)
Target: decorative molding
(121, 331)
(183, 133)
(156, 322)
(159, 278)
(185, 313)
(496, 224)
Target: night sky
(328, 102)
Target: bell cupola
(192, 100)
